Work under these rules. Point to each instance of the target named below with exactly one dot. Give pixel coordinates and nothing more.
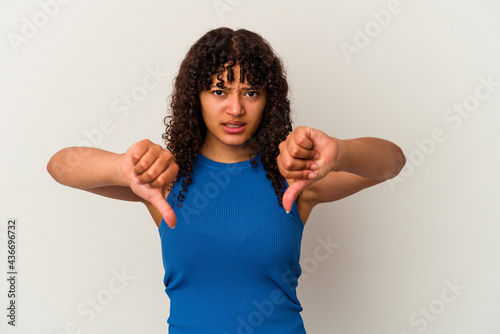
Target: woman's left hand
(306, 156)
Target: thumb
(293, 192)
(164, 208)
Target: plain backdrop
(416, 254)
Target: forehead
(231, 76)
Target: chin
(235, 141)
(238, 144)
(233, 144)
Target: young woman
(237, 184)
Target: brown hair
(213, 53)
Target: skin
(317, 167)
(235, 102)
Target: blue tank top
(232, 261)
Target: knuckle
(286, 174)
(288, 164)
(151, 172)
(160, 180)
(143, 144)
(136, 155)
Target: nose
(235, 107)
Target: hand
(306, 156)
(149, 169)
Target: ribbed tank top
(232, 261)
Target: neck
(226, 154)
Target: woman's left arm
(325, 169)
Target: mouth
(233, 126)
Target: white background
(399, 242)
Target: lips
(233, 126)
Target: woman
(236, 182)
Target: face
(232, 114)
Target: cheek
(261, 113)
(203, 115)
(207, 113)
(261, 110)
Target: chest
(231, 222)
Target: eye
(217, 92)
(252, 94)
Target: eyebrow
(225, 87)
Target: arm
(93, 170)
(340, 168)
(87, 168)
(142, 174)
(362, 163)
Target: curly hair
(215, 52)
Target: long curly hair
(219, 50)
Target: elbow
(51, 168)
(395, 161)
(55, 168)
(399, 162)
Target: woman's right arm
(86, 168)
(143, 174)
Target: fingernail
(314, 167)
(312, 175)
(316, 156)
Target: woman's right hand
(148, 170)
